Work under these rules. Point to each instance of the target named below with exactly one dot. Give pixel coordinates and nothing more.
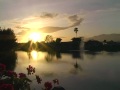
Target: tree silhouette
(76, 30)
(104, 42)
(49, 39)
(58, 40)
(7, 39)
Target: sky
(59, 18)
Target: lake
(74, 70)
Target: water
(75, 70)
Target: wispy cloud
(19, 23)
(74, 19)
(48, 15)
(50, 29)
(23, 32)
(23, 28)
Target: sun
(35, 37)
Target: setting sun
(35, 37)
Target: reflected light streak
(34, 55)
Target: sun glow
(35, 37)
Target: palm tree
(76, 30)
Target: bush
(10, 80)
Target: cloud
(78, 22)
(75, 20)
(48, 15)
(50, 29)
(19, 27)
(19, 22)
(23, 32)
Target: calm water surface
(75, 70)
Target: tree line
(94, 45)
(8, 42)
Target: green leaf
(28, 80)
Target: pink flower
(48, 85)
(11, 74)
(22, 75)
(6, 87)
(38, 79)
(31, 70)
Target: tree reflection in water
(50, 56)
(77, 55)
(33, 55)
(9, 59)
(58, 55)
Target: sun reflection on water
(34, 54)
